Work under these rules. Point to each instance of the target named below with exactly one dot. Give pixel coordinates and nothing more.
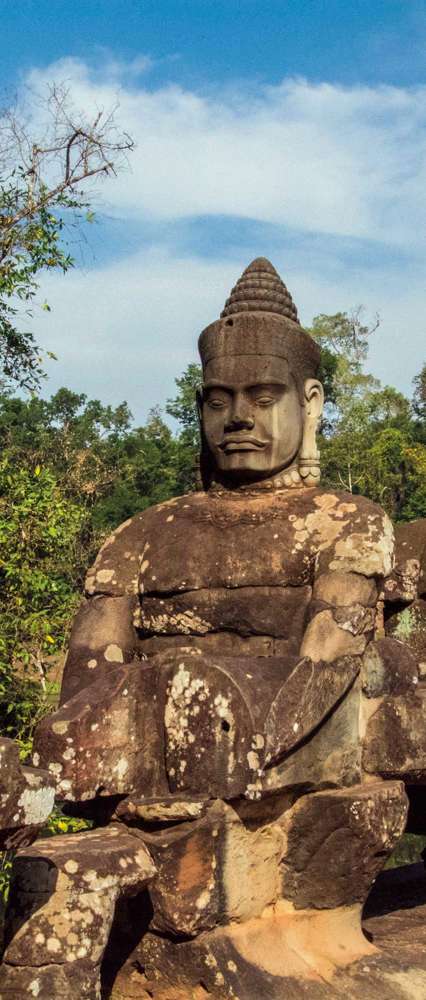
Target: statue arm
(103, 635)
(106, 738)
(342, 616)
(342, 620)
(348, 584)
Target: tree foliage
(44, 177)
(373, 438)
(343, 339)
(40, 563)
(419, 403)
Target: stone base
(51, 982)
(283, 958)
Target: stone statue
(229, 712)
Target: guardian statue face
(261, 402)
(252, 416)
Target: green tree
(42, 557)
(99, 458)
(419, 404)
(372, 450)
(148, 473)
(372, 439)
(183, 408)
(81, 440)
(344, 340)
(42, 179)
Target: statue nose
(241, 421)
(241, 415)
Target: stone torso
(233, 572)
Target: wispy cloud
(126, 330)
(334, 166)
(316, 157)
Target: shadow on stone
(397, 889)
(131, 920)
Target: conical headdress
(260, 318)
(260, 289)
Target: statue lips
(246, 443)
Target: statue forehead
(244, 369)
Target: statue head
(261, 400)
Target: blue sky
(295, 130)
(208, 42)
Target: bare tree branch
(77, 148)
(44, 171)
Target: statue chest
(200, 542)
(277, 612)
(236, 569)
(212, 546)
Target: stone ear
(206, 465)
(309, 456)
(199, 398)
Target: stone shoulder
(361, 535)
(337, 530)
(118, 563)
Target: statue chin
(251, 476)
(241, 467)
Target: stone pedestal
(392, 967)
(264, 899)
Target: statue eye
(215, 403)
(265, 400)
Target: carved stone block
(63, 899)
(108, 739)
(408, 626)
(26, 798)
(388, 667)
(102, 637)
(336, 841)
(329, 757)
(395, 740)
(223, 867)
(223, 728)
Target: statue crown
(260, 289)
(260, 318)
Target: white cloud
(316, 157)
(125, 331)
(345, 164)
